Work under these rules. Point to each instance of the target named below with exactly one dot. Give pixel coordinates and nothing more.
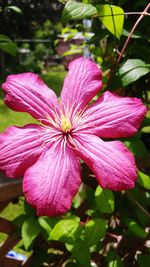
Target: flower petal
(52, 182)
(111, 162)
(20, 147)
(28, 93)
(113, 116)
(81, 84)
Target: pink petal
(111, 162)
(20, 147)
(52, 182)
(81, 84)
(113, 116)
(28, 93)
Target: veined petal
(20, 147)
(81, 84)
(28, 93)
(52, 182)
(113, 116)
(111, 162)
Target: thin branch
(137, 203)
(131, 32)
(122, 14)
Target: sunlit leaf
(104, 200)
(30, 230)
(80, 252)
(15, 9)
(112, 17)
(75, 11)
(95, 230)
(67, 230)
(144, 180)
(135, 228)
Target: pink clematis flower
(47, 155)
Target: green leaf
(30, 230)
(135, 228)
(137, 147)
(144, 180)
(14, 8)
(80, 252)
(132, 70)
(94, 231)
(7, 45)
(113, 259)
(112, 17)
(104, 200)
(75, 11)
(66, 230)
(47, 223)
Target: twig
(131, 32)
(137, 203)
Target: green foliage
(113, 259)
(66, 230)
(112, 17)
(7, 45)
(144, 180)
(104, 200)
(30, 230)
(132, 70)
(75, 11)
(94, 231)
(135, 228)
(14, 8)
(81, 253)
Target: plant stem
(131, 32)
(137, 203)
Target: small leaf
(75, 11)
(80, 252)
(67, 231)
(132, 70)
(14, 8)
(144, 180)
(7, 45)
(47, 223)
(104, 200)
(113, 259)
(135, 228)
(112, 17)
(94, 231)
(30, 230)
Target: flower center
(65, 124)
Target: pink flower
(47, 155)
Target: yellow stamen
(65, 124)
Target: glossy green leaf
(30, 230)
(135, 228)
(132, 70)
(144, 180)
(104, 200)
(75, 11)
(112, 17)
(15, 9)
(94, 231)
(66, 230)
(80, 252)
